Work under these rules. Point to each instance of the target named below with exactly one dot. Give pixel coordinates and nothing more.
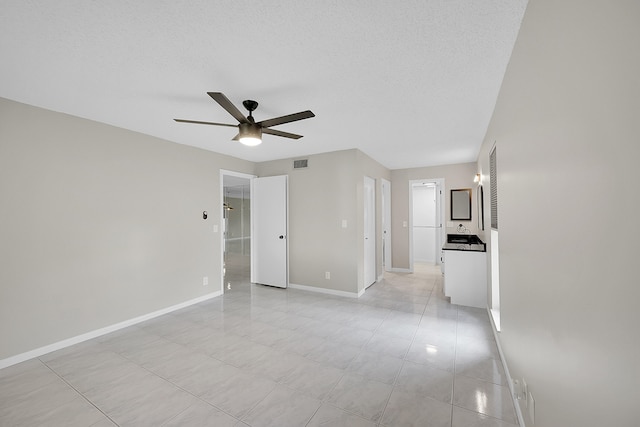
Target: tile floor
(400, 355)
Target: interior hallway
(400, 355)
(237, 271)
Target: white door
(386, 224)
(425, 225)
(425, 221)
(369, 231)
(269, 218)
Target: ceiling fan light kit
(250, 134)
(249, 131)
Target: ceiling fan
(250, 131)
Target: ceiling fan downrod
(250, 105)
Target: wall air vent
(301, 164)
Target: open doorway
(236, 230)
(369, 231)
(426, 213)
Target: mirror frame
(456, 204)
(480, 197)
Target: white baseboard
(4, 363)
(516, 404)
(326, 291)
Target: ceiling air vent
(300, 164)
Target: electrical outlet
(404, 224)
(344, 223)
(327, 275)
(205, 281)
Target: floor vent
(300, 164)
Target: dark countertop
(464, 247)
(464, 242)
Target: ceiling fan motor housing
(251, 130)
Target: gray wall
(99, 225)
(320, 197)
(366, 166)
(566, 129)
(455, 176)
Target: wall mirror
(461, 204)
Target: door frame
(223, 173)
(440, 206)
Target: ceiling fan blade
(227, 105)
(286, 119)
(204, 123)
(280, 133)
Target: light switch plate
(344, 223)
(215, 228)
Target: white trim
(400, 270)
(495, 315)
(380, 277)
(516, 405)
(4, 363)
(327, 291)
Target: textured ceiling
(410, 83)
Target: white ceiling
(410, 83)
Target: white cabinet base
(465, 279)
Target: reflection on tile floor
(401, 355)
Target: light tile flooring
(400, 355)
